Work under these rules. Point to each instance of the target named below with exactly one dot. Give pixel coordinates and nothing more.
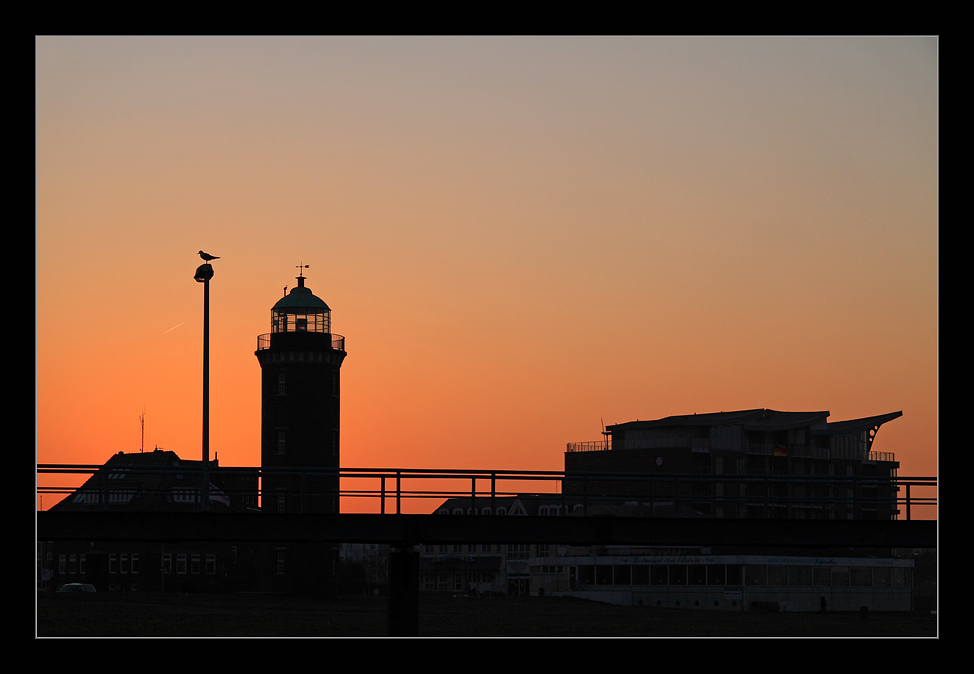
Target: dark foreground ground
(109, 614)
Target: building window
(777, 575)
(543, 550)
(518, 551)
(180, 563)
(882, 577)
(195, 564)
(659, 574)
(167, 563)
(716, 574)
(135, 562)
(548, 570)
(281, 441)
(281, 503)
(73, 561)
(735, 574)
(698, 574)
(112, 563)
(84, 564)
(280, 562)
(799, 575)
(124, 563)
(678, 574)
(281, 383)
(211, 565)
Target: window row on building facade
(129, 563)
(739, 575)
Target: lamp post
(203, 275)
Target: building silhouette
(782, 465)
(300, 362)
(752, 463)
(156, 481)
(300, 438)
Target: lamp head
(204, 273)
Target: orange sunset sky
(518, 237)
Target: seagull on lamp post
(207, 257)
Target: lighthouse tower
(300, 362)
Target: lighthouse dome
(300, 311)
(300, 298)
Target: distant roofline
(154, 456)
(765, 419)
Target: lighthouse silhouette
(300, 361)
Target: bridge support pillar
(403, 592)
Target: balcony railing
(751, 495)
(766, 449)
(264, 341)
(594, 446)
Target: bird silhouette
(207, 257)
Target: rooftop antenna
(142, 420)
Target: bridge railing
(398, 490)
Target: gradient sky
(518, 237)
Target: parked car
(77, 587)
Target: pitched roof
(150, 481)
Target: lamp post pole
(205, 498)
(203, 275)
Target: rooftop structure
(153, 482)
(815, 469)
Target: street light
(203, 275)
